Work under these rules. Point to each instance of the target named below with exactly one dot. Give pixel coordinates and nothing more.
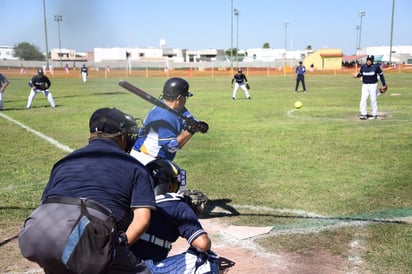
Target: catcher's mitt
(194, 126)
(247, 86)
(383, 89)
(196, 200)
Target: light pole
(59, 18)
(390, 48)
(361, 14)
(236, 13)
(286, 45)
(357, 39)
(45, 33)
(231, 37)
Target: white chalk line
(38, 134)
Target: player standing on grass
(3, 85)
(300, 77)
(40, 83)
(84, 72)
(369, 73)
(240, 80)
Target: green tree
(308, 47)
(234, 51)
(266, 45)
(26, 51)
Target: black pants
(300, 78)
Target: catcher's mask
(167, 176)
(110, 123)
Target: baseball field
(325, 181)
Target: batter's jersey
(103, 172)
(370, 74)
(158, 137)
(172, 219)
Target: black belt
(77, 201)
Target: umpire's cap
(111, 120)
(174, 87)
(370, 57)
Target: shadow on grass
(226, 210)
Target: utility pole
(45, 33)
(59, 18)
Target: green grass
(260, 152)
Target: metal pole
(286, 45)
(59, 18)
(393, 15)
(231, 37)
(357, 39)
(45, 33)
(236, 12)
(361, 14)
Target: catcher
(173, 218)
(369, 73)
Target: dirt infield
(236, 256)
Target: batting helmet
(175, 87)
(165, 174)
(370, 57)
(40, 72)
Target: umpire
(110, 179)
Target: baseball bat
(149, 98)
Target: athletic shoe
(249, 97)
(233, 98)
(363, 117)
(373, 117)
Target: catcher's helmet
(164, 173)
(174, 87)
(370, 57)
(111, 122)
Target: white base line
(39, 134)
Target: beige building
(325, 59)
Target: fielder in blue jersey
(164, 133)
(300, 77)
(370, 73)
(172, 219)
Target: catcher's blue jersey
(172, 218)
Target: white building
(7, 53)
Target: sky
(207, 24)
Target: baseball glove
(196, 200)
(383, 89)
(247, 86)
(194, 126)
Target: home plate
(244, 232)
